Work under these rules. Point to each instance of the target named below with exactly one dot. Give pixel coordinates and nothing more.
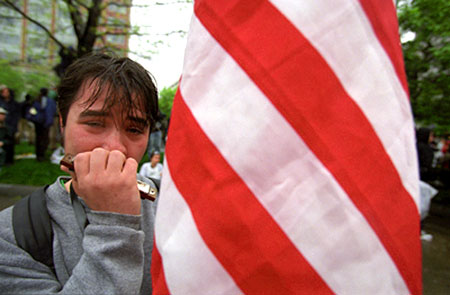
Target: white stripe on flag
(242, 124)
(190, 267)
(365, 72)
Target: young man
(106, 107)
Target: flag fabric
(290, 165)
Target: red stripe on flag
(386, 30)
(158, 279)
(237, 229)
(307, 93)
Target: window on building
(117, 8)
(115, 39)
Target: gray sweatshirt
(112, 256)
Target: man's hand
(107, 181)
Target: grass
(29, 171)
(32, 172)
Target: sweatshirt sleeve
(113, 258)
(111, 262)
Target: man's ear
(61, 128)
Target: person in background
(8, 102)
(155, 138)
(424, 137)
(26, 128)
(5, 135)
(152, 169)
(41, 114)
(102, 229)
(54, 134)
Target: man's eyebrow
(93, 113)
(100, 113)
(138, 120)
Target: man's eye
(94, 123)
(135, 130)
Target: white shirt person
(152, 169)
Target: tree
(25, 81)
(86, 23)
(166, 97)
(427, 59)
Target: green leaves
(166, 97)
(29, 81)
(427, 59)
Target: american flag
(290, 166)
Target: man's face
(2, 117)
(89, 128)
(155, 159)
(5, 92)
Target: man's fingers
(67, 170)
(130, 167)
(81, 164)
(116, 161)
(98, 160)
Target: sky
(165, 52)
(165, 60)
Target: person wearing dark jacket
(425, 151)
(41, 113)
(5, 135)
(12, 119)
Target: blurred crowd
(33, 120)
(434, 162)
(434, 157)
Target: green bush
(25, 80)
(166, 97)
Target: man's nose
(115, 141)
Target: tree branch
(82, 4)
(87, 40)
(174, 2)
(76, 18)
(49, 34)
(115, 25)
(118, 33)
(180, 32)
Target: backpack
(32, 226)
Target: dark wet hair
(43, 91)
(121, 78)
(154, 153)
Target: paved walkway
(11, 193)
(14, 190)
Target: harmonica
(145, 190)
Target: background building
(22, 40)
